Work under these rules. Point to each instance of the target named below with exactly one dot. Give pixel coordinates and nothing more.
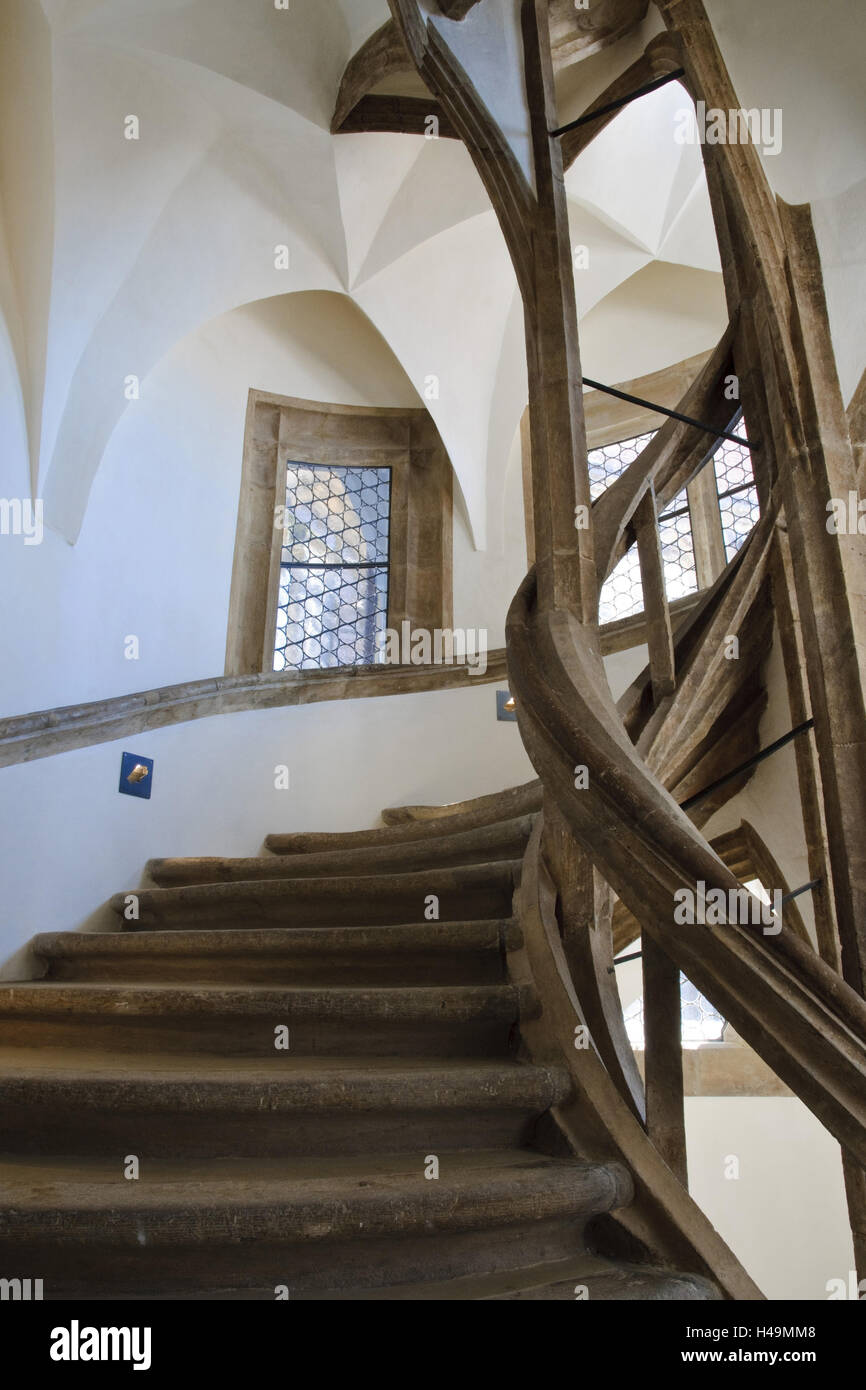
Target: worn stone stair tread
(468, 936)
(482, 811)
(604, 1280)
(80, 999)
(429, 952)
(486, 886)
(157, 1039)
(187, 1082)
(235, 1200)
(488, 844)
(621, 1283)
(557, 1280)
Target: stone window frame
(283, 429)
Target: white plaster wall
(840, 231)
(806, 60)
(771, 799)
(154, 557)
(443, 307)
(70, 840)
(785, 1216)
(363, 18)
(815, 77)
(485, 582)
(661, 315)
(27, 204)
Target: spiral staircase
(163, 1138)
(426, 1124)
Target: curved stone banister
(44, 733)
(790, 389)
(617, 827)
(795, 1011)
(707, 680)
(48, 732)
(596, 1118)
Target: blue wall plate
(136, 776)
(502, 699)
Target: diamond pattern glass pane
(700, 1022)
(738, 497)
(333, 598)
(606, 464)
(678, 556)
(622, 592)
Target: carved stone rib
(382, 56)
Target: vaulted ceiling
(112, 249)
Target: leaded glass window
(622, 593)
(700, 1022)
(738, 496)
(333, 596)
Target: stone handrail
(45, 733)
(26, 737)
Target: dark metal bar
(787, 898)
(723, 496)
(620, 101)
(337, 565)
(751, 762)
(734, 491)
(805, 889)
(673, 414)
(635, 955)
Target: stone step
(441, 1021)
(483, 811)
(304, 1224)
(159, 1106)
(621, 1283)
(487, 844)
(558, 1280)
(584, 1278)
(466, 953)
(469, 893)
